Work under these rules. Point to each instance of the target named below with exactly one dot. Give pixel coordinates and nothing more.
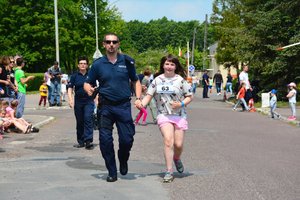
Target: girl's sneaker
(179, 165)
(291, 118)
(168, 178)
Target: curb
(40, 123)
(280, 117)
(266, 112)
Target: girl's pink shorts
(179, 122)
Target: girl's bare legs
(178, 143)
(167, 132)
(20, 125)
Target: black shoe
(123, 168)
(78, 145)
(111, 179)
(35, 130)
(89, 146)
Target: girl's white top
(165, 90)
(292, 99)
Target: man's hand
(89, 89)
(71, 103)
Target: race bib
(165, 88)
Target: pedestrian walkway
(283, 112)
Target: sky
(177, 10)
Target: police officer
(114, 72)
(83, 105)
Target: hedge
(34, 85)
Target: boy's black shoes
(111, 179)
(123, 168)
(89, 146)
(78, 145)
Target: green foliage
(34, 85)
(27, 28)
(249, 31)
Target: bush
(34, 85)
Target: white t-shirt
(293, 98)
(244, 78)
(166, 90)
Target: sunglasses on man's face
(111, 41)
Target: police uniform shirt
(76, 81)
(114, 78)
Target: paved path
(228, 155)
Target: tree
(250, 30)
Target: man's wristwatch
(138, 98)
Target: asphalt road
(227, 155)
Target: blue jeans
(218, 86)
(229, 87)
(108, 115)
(20, 107)
(293, 108)
(55, 92)
(84, 111)
(194, 87)
(272, 109)
(241, 100)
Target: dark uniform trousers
(84, 118)
(107, 116)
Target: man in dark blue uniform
(114, 73)
(83, 105)
(205, 83)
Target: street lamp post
(97, 53)
(56, 31)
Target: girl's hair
(14, 103)
(241, 85)
(5, 60)
(5, 103)
(147, 72)
(171, 58)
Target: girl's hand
(175, 104)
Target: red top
(242, 93)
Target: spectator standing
(22, 81)
(292, 100)
(218, 80)
(273, 102)
(64, 82)
(243, 77)
(83, 105)
(55, 76)
(229, 83)
(205, 83)
(114, 71)
(47, 78)
(7, 79)
(43, 93)
(194, 83)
